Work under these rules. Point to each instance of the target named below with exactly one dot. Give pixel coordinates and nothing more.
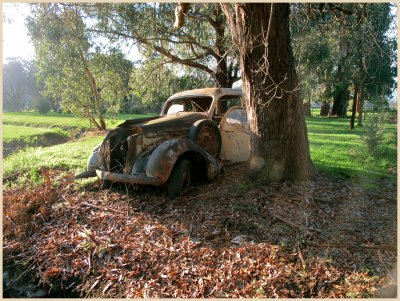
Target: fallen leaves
(221, 244)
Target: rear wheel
(180, 179)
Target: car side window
(226, 102)
(237, 116)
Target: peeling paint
(153, 145)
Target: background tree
(203, 44)
(19, 85)
(89, 83)
(344, 45)
(153, 82)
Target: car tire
(206, 133)
(180, 179)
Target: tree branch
(187, 62)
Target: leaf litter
(233, 237)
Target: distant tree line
(344, 53)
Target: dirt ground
(229, 238)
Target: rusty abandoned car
(194, 130)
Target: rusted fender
(125, 178)
(164, 157)
(93, 163)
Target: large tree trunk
(279, 142)
(340, 100)
(339, 108)
(325, 107)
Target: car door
(235, 134)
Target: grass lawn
(25, 133)
(334, 148)
(72, 156)
(61, 120)
(339, 151)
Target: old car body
(194, 130)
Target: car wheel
(180, 179)
(207, 135)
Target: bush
(41, 105)
(376, 126)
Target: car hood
(180, 121)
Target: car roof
(208, 92)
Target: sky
(16, 41)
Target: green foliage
(242, 187)
(89, 83)
(18, 85)
(41, 105)
(332, 55)
(203, 43)
(376, 127)
(152, 84)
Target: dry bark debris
(227, 243)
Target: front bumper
(119, 177)
(125, 178)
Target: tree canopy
(203, 44)
(341, 46)
(90, 82)
(18, 84)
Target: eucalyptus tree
(18, 84)
(374, 63)
(203, 44)
(345, 47)
(278, 141)
(13, 91)
(89, 82)
(152, 82)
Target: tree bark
(221, 75)
(278, 142)
(325, 107)
(96, 96)
(360, 108)
(339, 108)
(354, 107)
(340, 100)
(307, 108)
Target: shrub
(41, 105)
(376, 127)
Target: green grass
(339, 151)
(60, 120)
(72, 155)
(23, 133)
(334, 149)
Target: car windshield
(188, 104)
